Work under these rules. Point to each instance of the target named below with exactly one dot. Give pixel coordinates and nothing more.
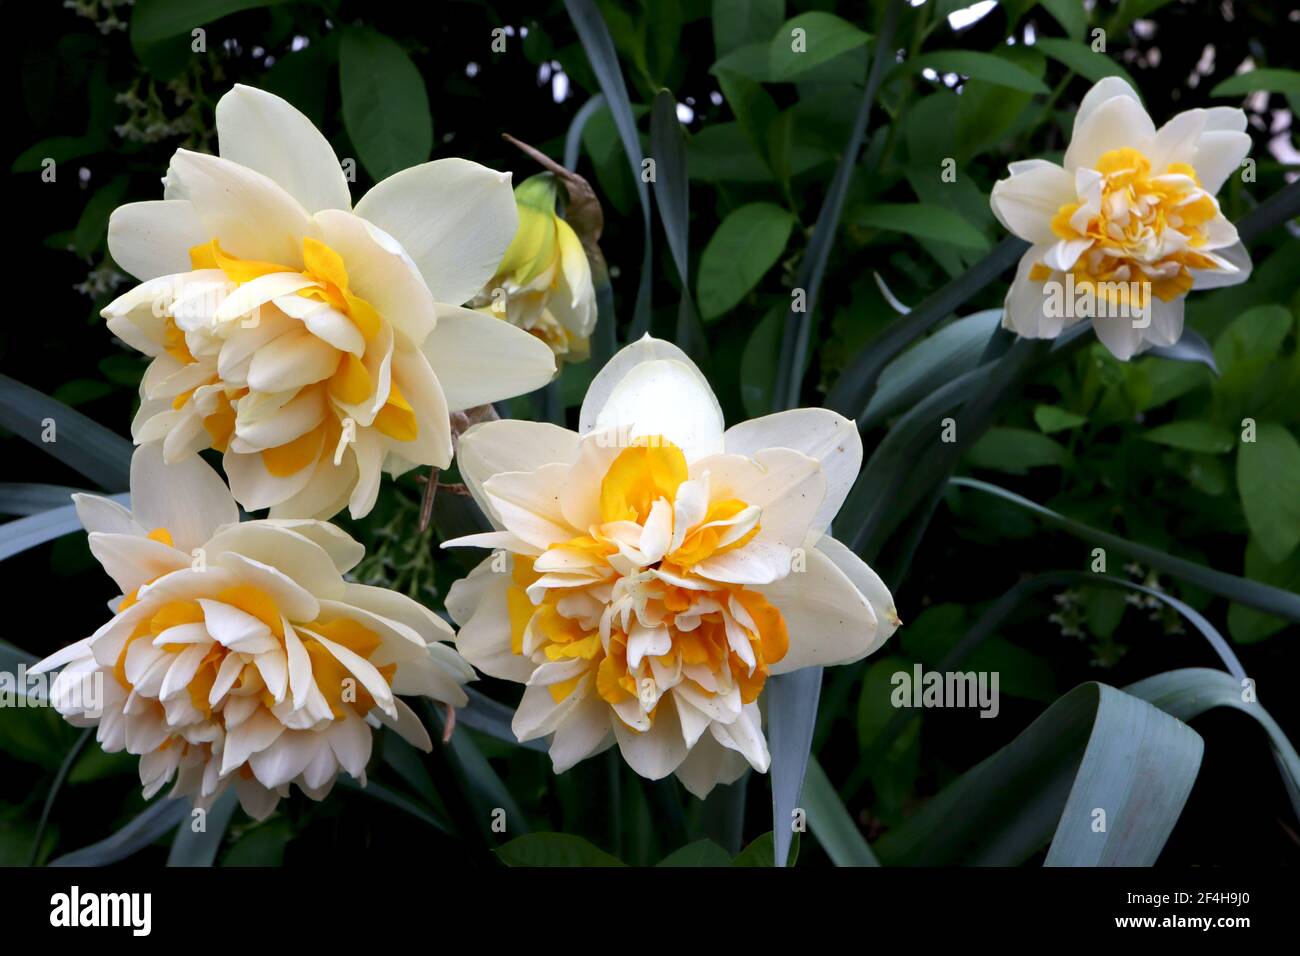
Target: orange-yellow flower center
(1143, 235)
(697, 623)
(351, 382)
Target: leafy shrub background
(1149, 450)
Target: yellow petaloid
(314, 344)
(238, 655)
(653, 570)
(1127, 226)
(543, 284)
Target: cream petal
(292, 420)
(1219, 154)
(1120, 335)
(647, 349)
(292, 360)
(665, 398)
(745, 736)
(1103, 90)
(151, 239)
(584, 733)
(432, 445)
(829, 619)
(381, 272)
(256, 488)
(252, 295)
(1026, 201)
(1175, 142)
(658, 751)
(265, 133)
(492, 448)
(869, 586)
(819, 433)
(1166, 321)
(786, 484)
(1029, 311)
(1117, 122)
(188, 498)
(344, 550)
(453, 217)
(708, 765)
(294, 555)
(478, 604)
(131, 560)
(251, 216)
(1235, 255)
(528, 504)
(324, 322)
(105, 514)
(480, 359)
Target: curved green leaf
(1095, 747)
(830, 821)
(150, 825)
(1262, 597)
(101, 455)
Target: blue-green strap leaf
(80, 443)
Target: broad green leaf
(980, 66)
(1268, 480)
(1015, 450)
(808, 41)
(749, 241)
(1051, 419)
(1096, 747)
(922, 221)
(1193, 436)
(263, 845)
(554, 849)
(738, 22)
(1272, 80)
(759, 852)
(1256, 334)
(385, 105)
(1247, 625)
(1079, 57)
(154, 20)
(1070, 14)
(699, 853)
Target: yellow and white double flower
(1130, 221)
(238, 655)
(653, 569)
(312, 343)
